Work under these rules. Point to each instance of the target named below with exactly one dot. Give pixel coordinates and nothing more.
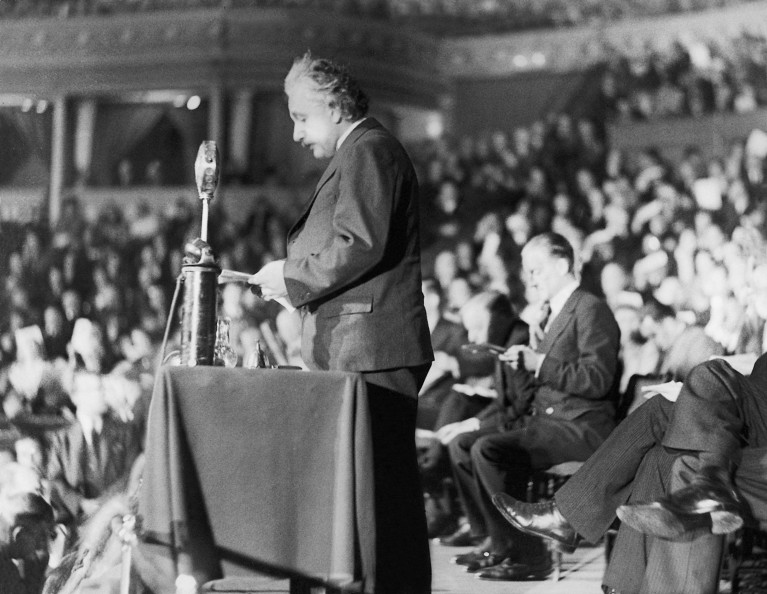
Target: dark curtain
(118, 129)
(192, 126)
(27, 145)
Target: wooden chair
(543, 484)
(746, 561)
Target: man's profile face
(544, 273)
(315, 124)
(476, 321)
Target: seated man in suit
(572, 365)
(481, 397)
(447, 337)
(681, 346)
(689, 449)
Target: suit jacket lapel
(560, 322)
(332, 167)
(327, 174)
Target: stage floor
(581, 574)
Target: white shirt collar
(557, 302)
(343, 136)
(90, 425)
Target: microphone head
(207, 169)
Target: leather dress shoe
(516, 571)
(461, 538)
(486, 560)
(538, 519)
(474, 555)
(707, 503)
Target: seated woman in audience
(32, 384)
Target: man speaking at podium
(353, 269)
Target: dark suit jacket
(12, 583)
(353, 260)
(515, 387)
(68, 459)
(579, 374)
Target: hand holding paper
(268, 283)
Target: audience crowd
(675, 249)
(692, 77)
(447, 16)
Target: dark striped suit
(717, 413)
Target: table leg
(299, 586)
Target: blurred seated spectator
(55, 332)
(486, 396)
(69, 230)
(459, 291)
(26, 530)
(678, 345)
(93, 456)
(446, 339)
(30, 454)
(32, 385)
(288, 325)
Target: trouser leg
(403, 564)
(500, 467)
(630, 554)
(590, 497)
(683, 567)
(465, 482)
(505, 461)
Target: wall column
(240, 126)
(58, 141)
(216, 117)
(84, 127)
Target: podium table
(252, 471)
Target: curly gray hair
(332, 80)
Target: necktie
(537, 330)
(545, 315)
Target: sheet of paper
(232, 276)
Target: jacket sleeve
(591, 373)
(65, 499)
(370, 180)
(516, 389)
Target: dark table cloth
(251, 468)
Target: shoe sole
(724, 518)
(662, 522)
(530, 576)
(652, 519)
(725, 522)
